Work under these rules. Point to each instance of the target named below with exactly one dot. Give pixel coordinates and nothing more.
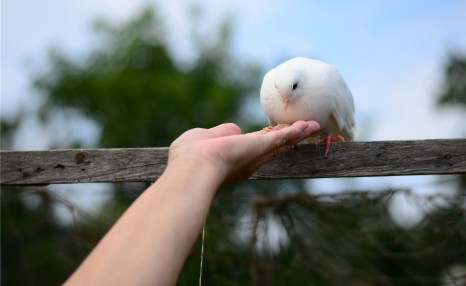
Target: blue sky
(391, 54)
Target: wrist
(194, 173)
(198, 163)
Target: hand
(235, 155)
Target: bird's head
(288, 87)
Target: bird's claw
(328, 139)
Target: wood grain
(346, 159)
(82, 166)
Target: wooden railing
(345, 159)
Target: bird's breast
(298, 109)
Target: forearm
(151, 241)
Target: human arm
(150, 242)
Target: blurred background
(100, 74)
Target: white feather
(315, 90)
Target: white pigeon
(306, 89)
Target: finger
(280, 126)
(272, 128)
(281, 150)
(267, 141)
(293, 134)
(275, 143)
(261, 145)
(226, 129)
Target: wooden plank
(365, 159)
(346, 159)
(82, 166)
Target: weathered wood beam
(346, 159)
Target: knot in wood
(80, 157)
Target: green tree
(454, 89)
(134, 89)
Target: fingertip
(232, 127)
(307, 127)
(311, 127)
(300, 124)
(226, 129)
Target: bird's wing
(343, 109)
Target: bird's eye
(295, 85)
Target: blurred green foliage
(7, 128)
(454, 92)
(133, 87)
(36, 248)
(455, 82)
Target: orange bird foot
(328, 139)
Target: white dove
(306, 89)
